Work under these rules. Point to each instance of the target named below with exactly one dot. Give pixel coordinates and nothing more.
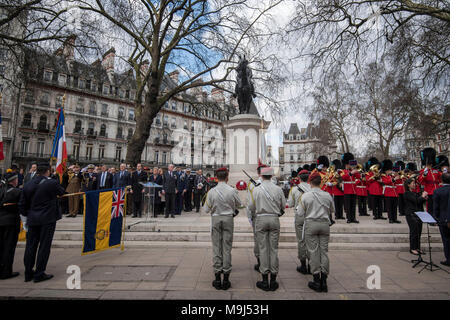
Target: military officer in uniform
(222, 202)
(89, 179)
(293, 200)
(267, 203)
(317, 206)
(251, 217)
(349, 177)
(74, 186)
(190, 179)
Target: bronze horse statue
(244, 90)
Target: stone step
(248, 237)
(243, 226)
(282, 245)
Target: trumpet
(375, 169)
(360, 168)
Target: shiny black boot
(323, 282)
(315, 284)
(264, 284)
(273, 282)
(218, 282)
(226, 284)
(302, 268)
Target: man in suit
(138, 189)
(104, 179)
(170, 191)
(441, 212)
(39, 206)
(181, 190)
(122, 178)
(199, 189)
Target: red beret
(241, 185)
(314, 175)
(225, 169)
(303, 172)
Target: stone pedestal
(245, 140)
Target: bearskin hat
(346, 157)
(370, 163)
(442, 161)
(323, 160)
(337, 164)
(312, 166)
(411, 166)
(386, 165)
(428, 156)
(400, 164)
(306, 167)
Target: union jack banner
(118, 203)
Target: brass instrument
(375, 169)
(360, 168)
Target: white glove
(329, 184)
(425, 172)
(319, 167)
(24, 222)
(445, 170)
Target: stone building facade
(100, 116)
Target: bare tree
(386, 101)
(199, 38)
(350, 33)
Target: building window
(121, 114)
(165, 140)
(42, 122)
(26, 120)
(118, 153)
(40, 148)
(165, 121)
(24, 145)
(192, 126)
(103, 130)
(29, 96)
(121, 93)
(76, 150)
(80, 106)
(104, 110)
(185, 125)
(58, 101)
(105, 89)
(174, 106)
(81, 84)
(89, 152)
(131, 115)
(164, 157)
(156, 156)
(62, 79)
(48, 75)
(101, 152)
(92, 109)
(77, 126)
(91, 127)
(166, 105)
(174, 123)
(119, 133)
(158, 120)
(45, 99)
(130, 133)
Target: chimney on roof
(67, 49)
(174, 76)
(217, 95)
(108, 60)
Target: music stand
(426, 218)
(149, 188)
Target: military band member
(293, 201)
(389, 190)
(361, 195)
(251, 216)
(317, 206)
(337, 191)
(442, 164)
(399, 167)
(267, 203)
(222, 202)
(349, 177)
(429, 177)
(375, 189)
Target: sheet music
(425, 217)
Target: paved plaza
(186, 273)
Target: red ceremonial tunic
(349, 182)
(361, 188)
(374, 187)
(389, 188)
(400, 188)
(431, 181)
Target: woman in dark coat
(157, 179)
(413, 203)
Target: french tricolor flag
(2, 155)
(59, 150)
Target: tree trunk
(143, 124)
